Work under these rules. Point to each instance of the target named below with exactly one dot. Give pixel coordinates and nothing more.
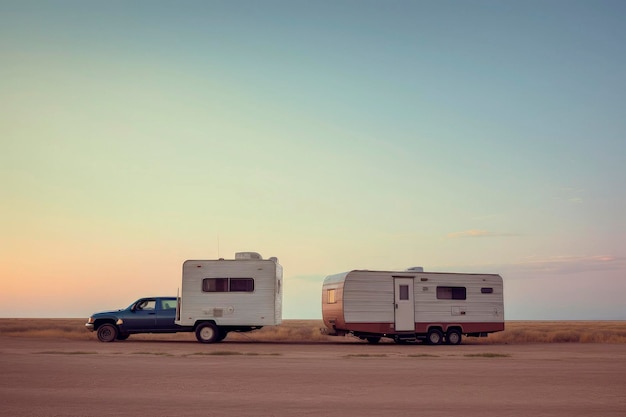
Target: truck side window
(146, 305)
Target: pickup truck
(146, 315)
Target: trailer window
(228, 285)
(451, 293)
(331, 296)
(486, 290)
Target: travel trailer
(224, 295)
(412, 305)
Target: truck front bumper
(90, 324)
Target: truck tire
(207, 333)
(435, 337)
(453, 337)
(107, 333)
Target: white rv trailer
(412, 305)
(224, 295)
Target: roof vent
(247, 255)
(416, 269)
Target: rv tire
(207, 333)
(453, 337)
(372, 340)
(435, 337)
(107, 333)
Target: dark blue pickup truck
(146, 315)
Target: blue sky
(462, 136)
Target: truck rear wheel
(435, 337)
(207, 333)
(107, 333)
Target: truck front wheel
(107, 333)
(207, 333)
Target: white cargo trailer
(225, 295)
(412, 305)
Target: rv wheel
(207, 333)
(107, 333)
(453, 337)
(435, 337)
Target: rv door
(404, 304)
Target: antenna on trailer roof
(218, 246)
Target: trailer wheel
(107, 333)
(453, 337)
(207, 333)
(373, 340)
(435, 337)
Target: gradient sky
(461, 136)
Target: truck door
(144, 315)
(404, 304)
(166, 314)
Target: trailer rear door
(404, 304)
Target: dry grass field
(299, 331)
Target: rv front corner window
(331, 296)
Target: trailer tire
(435, 337)
(453, 337)
(372, 340)
(207, 333)
(107, 333)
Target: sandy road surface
(55, 377)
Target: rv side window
(451, 293)
(331, 296)
(228, 285)
(242, 284)
(215, 284)
(486, 290)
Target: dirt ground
(156, 377)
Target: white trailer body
(412, 304)
(238, 294)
